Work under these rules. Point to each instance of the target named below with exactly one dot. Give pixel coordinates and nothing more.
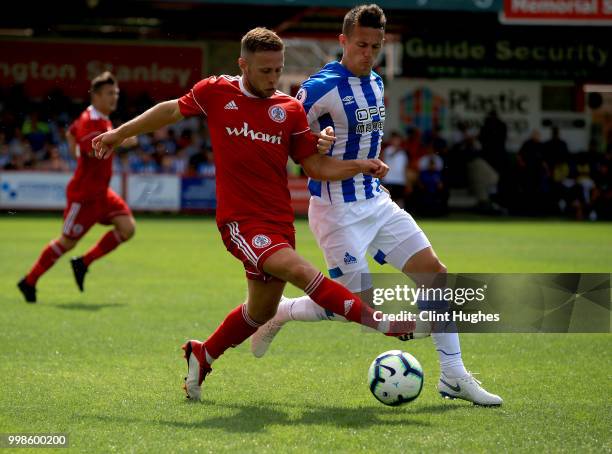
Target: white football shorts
(346, 232)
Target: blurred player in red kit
(90, 200)
(254, 129)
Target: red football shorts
(252, 243)
(80, 216)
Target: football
(395, 377)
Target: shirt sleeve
(303, 142)
(310, 98)
(194, 102)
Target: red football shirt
(252, 139)
(92, 175)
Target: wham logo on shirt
(253, 135)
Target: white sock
(304, 309)
(446, 340)
(449, 353)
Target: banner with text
(443, 103)
(557, 12)
(585, 53)
(162, 71)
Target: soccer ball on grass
(395, 377)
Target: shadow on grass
(90, 307)
(250, 418)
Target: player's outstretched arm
(325, 168)
(160, 115)
(129, 142)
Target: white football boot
(197, 368)
(467, 388)
(265, 334)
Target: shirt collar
(96, 114)
(244, 90)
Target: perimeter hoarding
(163, 71)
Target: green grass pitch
(106, 366)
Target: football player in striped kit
(355, 216)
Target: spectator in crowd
(396, 181)
(532, 182)
(565, 191)
(480, 176)
(18, 144)
(170, 141)
(145, 142)
(36, 132)
(16, 162)
(556, 150)
(602, 193)
(181, 162)
(433, 195)
(197, 160)
(414, 147)
(5, 154)
(207, 169)
(63, 146)
(121, 162)
(166, 164)
(53, 161)
(492, 137)
(187, 142)
(431, 160)
(144, 163)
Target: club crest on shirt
(277, 113)
(77, 229)
(260, 241)
(301, 95)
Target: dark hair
(260, 39)
(106, 78)
(365, 16)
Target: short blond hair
(260, 39)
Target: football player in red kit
(254, 128)
(89, 198)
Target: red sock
(334, 297)
(107, 243)
(47, 259)
(235, 329)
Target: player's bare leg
(49, 255)
(262, 300)
(125, 227)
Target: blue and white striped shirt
(354, 107)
